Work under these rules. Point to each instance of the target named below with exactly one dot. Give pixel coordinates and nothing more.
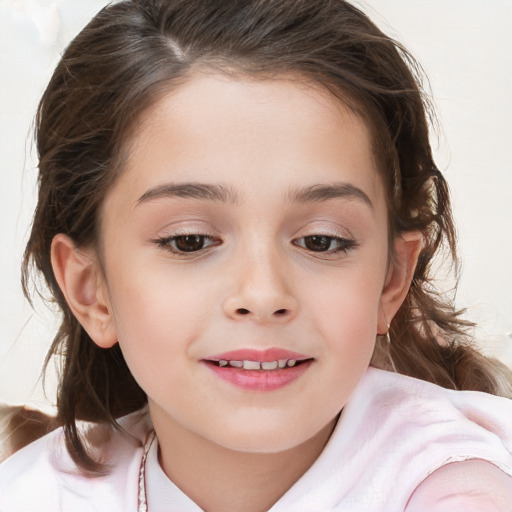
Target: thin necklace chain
(142, 498)
(142, 501)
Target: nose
(260, 291)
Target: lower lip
(260, 380)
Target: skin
(257, 283)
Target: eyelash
(343, 244)
(169, 243)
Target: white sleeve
(28, 482)
(472, 486)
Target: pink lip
(270, 354)
(259, 380)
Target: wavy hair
(129, 56)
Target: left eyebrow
(319, 193)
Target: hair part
(134, 52)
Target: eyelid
(166, 243)
(185, 228)
(324, 228)
(168, 236)
(328, 229)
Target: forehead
(224, 129)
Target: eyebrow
(222, 193)
(319, 193)
(211, 192)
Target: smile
(258, 365)
(259, 371)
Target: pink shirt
(393, 433)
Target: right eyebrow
(193, 190)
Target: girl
(238, 212)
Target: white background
(465, 47)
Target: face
(248, 231)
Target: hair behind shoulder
(132, 53)
(20, 426)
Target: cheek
(157, 318)
(151, 296)
(346, 314)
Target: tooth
(281, 363)
(222, 362)
(272, 365)
(236, 364)
(252, 365)
(291, 362)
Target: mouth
(255, 370)
(247, 364)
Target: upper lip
(267, 355)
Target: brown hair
(130, 54)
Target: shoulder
(415, 404)
(42, 476)
(31, 468)
(408, 429)
(474, 484)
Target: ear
(407, 248)
(80, 280)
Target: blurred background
(465, 47)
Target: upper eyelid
(333, 232)
(207, 234)
(170, 232)
(334, 237)
(317, 227)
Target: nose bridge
(261, 282)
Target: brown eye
(325, 244)
(189, 243)
(183, 245)
(318, 243)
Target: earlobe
(79, 278)
(407, 248)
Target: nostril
(242, 311)
(280, 312)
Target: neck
(218, 479)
